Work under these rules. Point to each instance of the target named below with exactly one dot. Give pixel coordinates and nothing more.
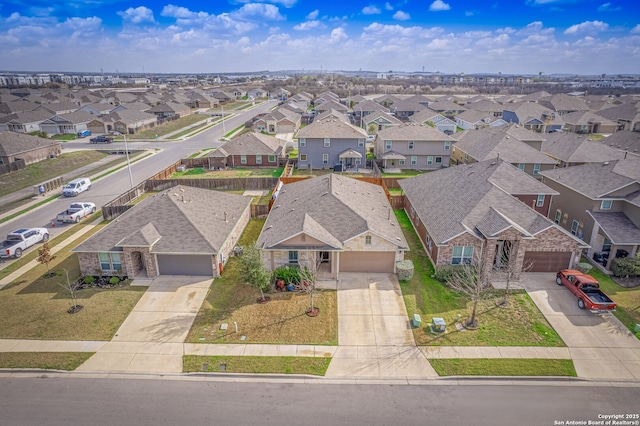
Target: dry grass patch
(256, 364)
(44, 360)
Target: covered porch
(392, 160)
(613, 235)
(350, 158)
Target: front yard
(520, 325)
(235, 172)
(627, 300)
(281, 321)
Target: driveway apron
(600, 345)
(151, 338)
(374, 335)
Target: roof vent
(606, 163)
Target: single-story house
(180, 231)
(339, 223)
(249, 150)
(69, 123)
(17, 146)
(471, 212)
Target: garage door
(355, 261)
(547, 261)
(169, 264)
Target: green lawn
(503, 367)
(235, 172)
(44, 360)
(404, 173)
(256, 364)
(627, 299)
(168, 127)
(522, 324)
(64, 138)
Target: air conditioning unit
(181, 168)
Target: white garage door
(171, 264)
(368, 261)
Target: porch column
(594, 234)
(612, 255)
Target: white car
(21, 239)
(76, 186)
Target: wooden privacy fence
(259, 211)
(12, 167)
(230, 184)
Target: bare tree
(472, 281)
(309, 285)
(45, 256)
(72, 288)
(510, 271)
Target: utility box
(416, 321)
(438, 325)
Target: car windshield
(71, 185)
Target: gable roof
(480, 207)
(332, 209)
(585, 118)
(414, 132)
(253, 143)
(13, 143)
(574, 148)
(331, 128)
(181, 219)
(624, 140)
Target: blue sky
(450, 36)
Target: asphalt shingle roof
(574, 148)
(12, 143)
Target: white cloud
(313, 15)
(536, 27)
(178, 12)
(636, 29)
(384, 32)
(438, 6)
(266, 11)
(337, 35)
(137, 15)
(401, 16)
(587, 27)
(308, 25)
(285, 3)
(388, 6)
(371, 10)
(608, 8)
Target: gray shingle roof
(618, 227)
(182, 219)
(465, 199)
(331, 128)
(13, 143)
(574, 148)
(597, 179)
(253, 144)
(413, 132)
(332, 209)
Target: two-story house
(413, 146)
(330, 141)
(571, 149)
(599, 203)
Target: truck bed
(598, 297)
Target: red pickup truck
(587, 291)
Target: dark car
(100, 139)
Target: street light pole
(126, 150)
(224, 131)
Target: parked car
(101, 139)
(76, 186)
(603, 257)
(84, 134)
(587, 291)
(21, 239)
(76, 212)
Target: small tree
(72, 288)
(45, 256)
(309, 285)
(253, 270)
(510, 271)
(471, 280)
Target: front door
(325, 257)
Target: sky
(218, 36)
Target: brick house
(249, 150)
(482, 210)
(180, 231)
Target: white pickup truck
(21, 239)
(76, 212)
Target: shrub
(626, 266)
(89, 279)
(443, 273)
(289, 274)
(114, 280)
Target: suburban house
(335, 223)
(588, 122)
(17, 146)
(200, 100)
(328, 142)
(97, 109)
(571, 149)
(69, 123)
(486, 105)
(170, 109)
(625, 141)
(63, 107)
(23, 122)
(533, 116)
(563, 103)
(413, 146)
(600, 203)
(379, 120)
(466, 213)
(626, 115)
(180, 231)
(249, 150)
(509, 143)
(473, 119)
(405, 108)
(331, 105)
(281, 120)
(447, 108)
(128, 121)
(436, 120)
(367, 107)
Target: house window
(462, 255)
(272, 159)
(367, 240)
(558, 216)
(429, 160)
(243, 159)
(110, 261)
(325, 158)
(410, 144)
(361, 142)
(447, 145)
(293, 257)
(401, 162)
(327, 142)
(438, 160)
(606, 245)
(540, 200)
(606, 204)
(258, 159)
(521, 166)
(387, 144)
(536, 169)
(303, 157)
(414, 160)
(574, 227)
(302, 142)
(358, 161)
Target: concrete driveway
(151, 338)
(600, 345)
(374, 334)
